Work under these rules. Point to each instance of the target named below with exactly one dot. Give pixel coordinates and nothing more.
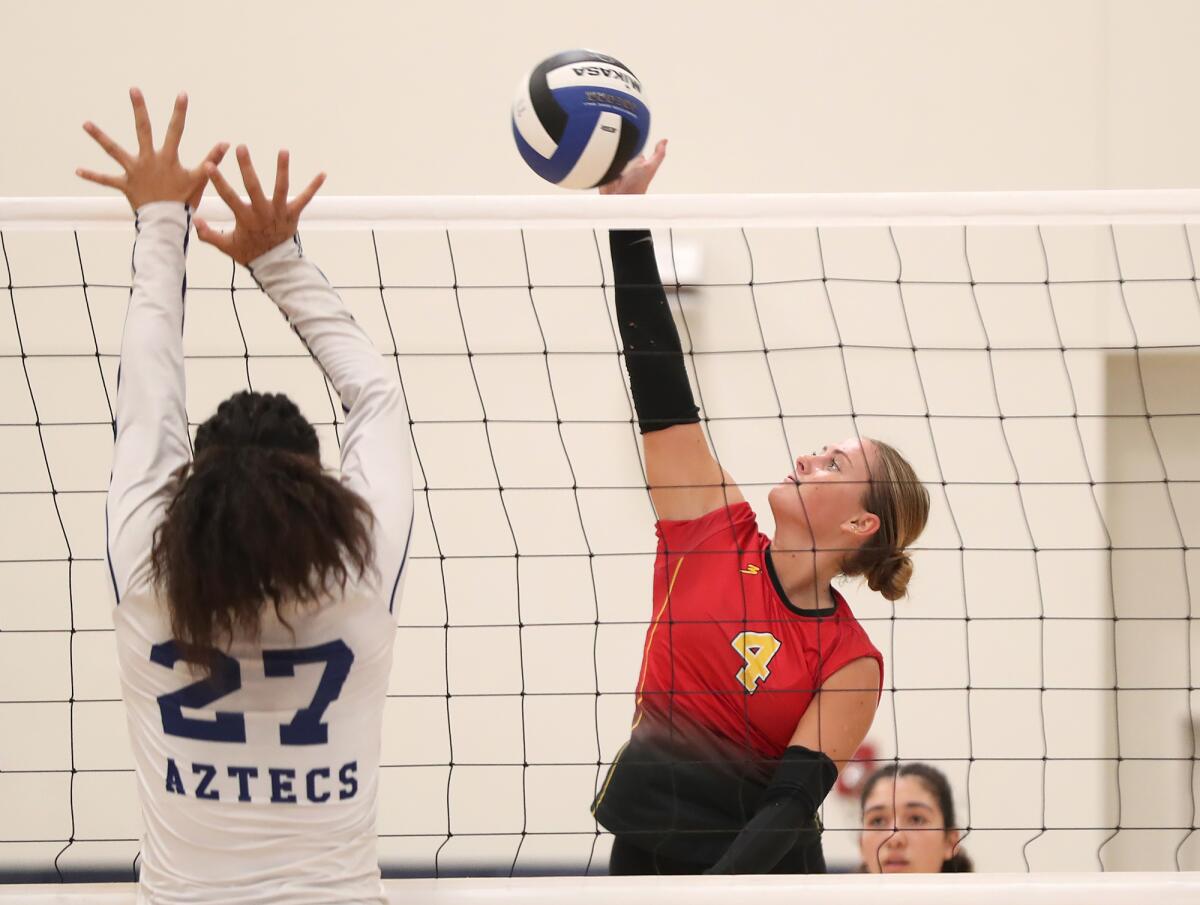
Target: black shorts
(675, 801)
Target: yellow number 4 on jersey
(757, 649)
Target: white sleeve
(376, 455)
(150, 433)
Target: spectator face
(903, 829)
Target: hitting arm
(685, 479)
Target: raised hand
(152, 175)
(636, 177)
(261, 224)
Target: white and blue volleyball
(579, 117)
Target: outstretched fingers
(152, 174)
(175, 127)
(254, 188)
(259, 225)
(224, 189)
(213, 158)
(111, 148)
(216, 155)
(214, 237)
(300, 202)
(200, 173)
(112, 182)
(141, 122)
(279, 199)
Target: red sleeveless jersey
(724, 649)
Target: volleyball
(579, 117)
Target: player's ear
(952, 840)
(862, 525)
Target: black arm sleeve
(789, 807)
(658, 380)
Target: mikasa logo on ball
(611, 77)
(609, 73)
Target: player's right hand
(636, 177)
(259, 223)
(152, 175)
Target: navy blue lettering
(349, 781)
(281, 785)
(226, 678)
(202, 790)
(243, 775)
(306, 727)
(311, 782)
(174, 781)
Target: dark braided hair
(936, 783)
(252, 520)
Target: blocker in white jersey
(258, 769)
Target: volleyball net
(1035, 356)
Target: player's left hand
(152, 175)
(261, 224)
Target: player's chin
(782, 495)
(787, 505)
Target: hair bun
(890, 576)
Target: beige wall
(410, 98)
